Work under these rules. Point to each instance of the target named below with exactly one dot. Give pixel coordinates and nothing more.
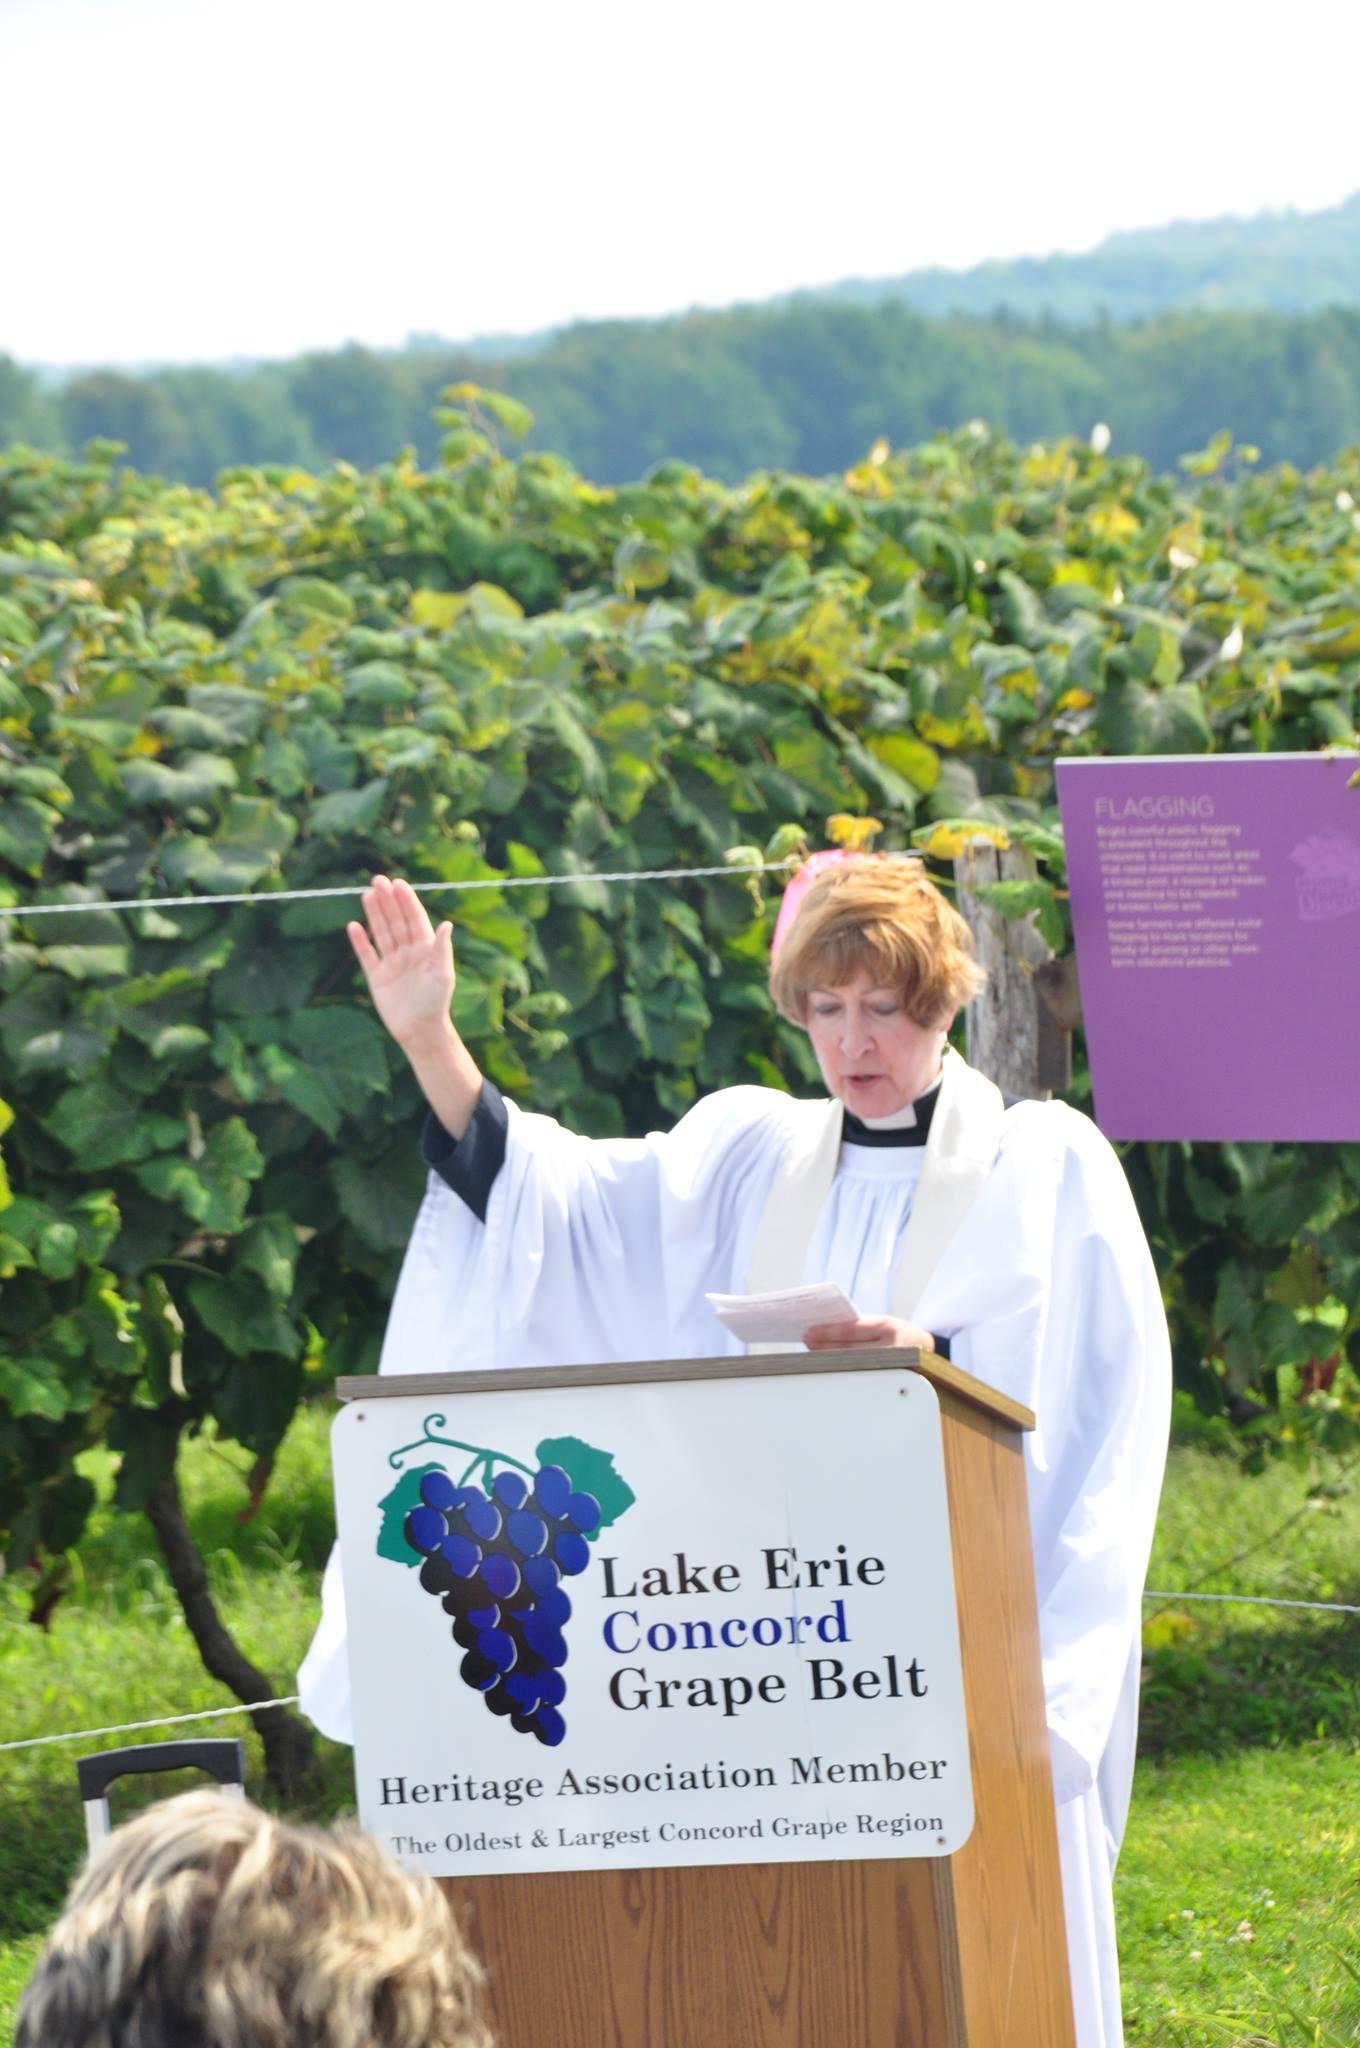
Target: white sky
(187, 180)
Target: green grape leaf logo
(494, 1539)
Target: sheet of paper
(782, 1316)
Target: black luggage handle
(222, 1757)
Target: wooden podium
(961, 1951)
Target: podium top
(941, 1372)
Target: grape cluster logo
(494, 1545)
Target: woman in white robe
(1006, 1236)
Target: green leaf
(257, 1399)
(312, 597)
(242, 1316)
(1207, 1199)
(178, 1042)
(89, 963)
(250, 839)
(26, 828)
(377, 686)
(32, 1387)
(241, 710)
(42, 1036)
(303, 1087)
(270, 1248)
(1233, 1315)
(1132, 719)
(198, 779)
(379, 1201)
(186, 728)
(15, 626)
(1017, 898)
(1155, 654)
(1278, 1336)
(1277, 1212)
(58, 1250)
(516, 418)
(346, 1046)
(348, 811)
(579, 955)
(65, 1509)
(213, 1189)
(105, 1127)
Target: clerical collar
(855, 1131)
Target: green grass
(1239, 1887)
(1238, 1891)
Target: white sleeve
(592, 1249)
(1050, 1294)
(1106, 1384)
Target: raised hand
(407, 962)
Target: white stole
(961, 1148)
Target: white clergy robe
(1039, 1275)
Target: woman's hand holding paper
(883, 1333)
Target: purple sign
(1216, 906)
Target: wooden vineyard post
(966, 1950)
(1020, 1026)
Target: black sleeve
(469, 1164)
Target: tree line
(805, 387)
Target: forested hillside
(1282, 262)
(807, 387)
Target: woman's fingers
(396, 916)
(379, 910)
(409, 914)
(363, 948)
(884, 1331)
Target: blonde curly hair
(207, 1922)
(877, 914)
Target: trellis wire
(158, 1721)
(733, 870)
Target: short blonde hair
(206, 1921)
(877, 914)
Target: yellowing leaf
(1049, 466)
(868, 480)
(1074, 571)
(906, 756)
(945, 732)
(1112, 522)
(1075, 700)
(855, 834)
(1164, 1631)
(947, 841)
(440, 609)
(950, 733)
(435, 608)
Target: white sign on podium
(695, 1622)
